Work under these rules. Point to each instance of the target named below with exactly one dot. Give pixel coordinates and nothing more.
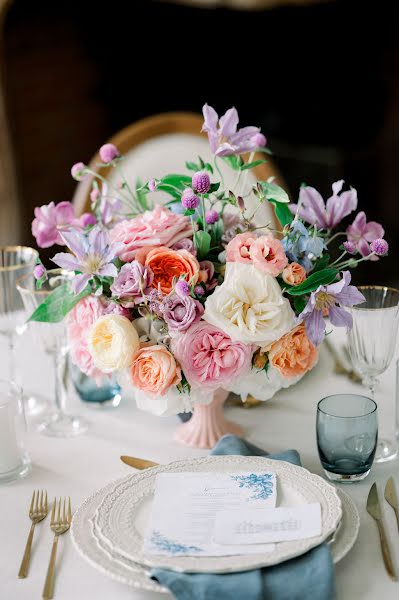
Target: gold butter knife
(391, 497)
(374, 509)
(138, 463)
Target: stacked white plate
(109, 528)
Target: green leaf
(214, 187)
(57, 304)
(300, 303)
(201, 162)
(209, 168)
(188, 212)
(141, 194)
(191, 166)
(283, 213)
(178, 181)
(202, 241)
(253, 164)
(234, 162)
(323, 277)
(321, 263)
(274, 192)
(176, 194)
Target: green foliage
(252, 165)
(300, 303)
(282, 212)
(235, 162)
(57, 304)
(188, 212)
(141, 195)
(202, 241)
(174, 184)
(323, 277)
(214, 187)
(321, 263)
(272, 191)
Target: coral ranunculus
(167, 264)
(294, 353)
(294, 274)
(158, 227)
(154, 370)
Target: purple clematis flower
(331, 298)
(315, 211)
(224, 139)
(362, 234)
(92, 255)
(50, 220)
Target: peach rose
(238, 249)
(154, 370)
(267, 254)
(167, 264)
(293, 354)
(294, 274)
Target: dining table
(79, 466)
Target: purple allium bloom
(180, 312)
(185, 244)
(212, 216)
(350, 247)
(331, 298)
(152, 185)
(315, 211)
(77, 171)
(260, 140)
(108, 153)
(50, 220)
(87, 219)
(189, 200)
(182, 288)
(362, 234)
(199, 290)
(224, 139)
(132, 283)
(379, 246)
(201, 182)
(39, 271)
(92, 255)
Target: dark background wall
(322, 82)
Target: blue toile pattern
(260, 483)
(163, 543)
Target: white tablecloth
(78, 467)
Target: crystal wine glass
(16, 261)
(372, 343)
(52, 337)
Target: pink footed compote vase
(207, 424)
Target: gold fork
(59, 525)
(37, 512)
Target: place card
(185, 505)
(264, 525)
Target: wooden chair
(161, 144)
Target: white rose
(112, 342)
(261, 385)
(249, 306)
(172, 403)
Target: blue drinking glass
(347, 430)
(107, 392)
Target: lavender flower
(182, 288)
(313, 210)
(39, 271)
(212, 216)
(350, 247)
(362, 234)
(379, 247)
(260, 140)
(108, 153)
(331, 298)
(152, 185)
(201, 182)
(155, 299)
(50, 220)
(185, 244)
(180, 312)
(92, 255)
(132, 283)
(224, 139)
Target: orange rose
(293, 354)
(294, 274)
(167, 264)
(154, 370)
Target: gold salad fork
(59, 525)
(37, 512)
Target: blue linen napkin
(308, 576)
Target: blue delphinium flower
(302, 245)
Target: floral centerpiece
(190, 298)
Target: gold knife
(138, 463)
(374, 509)
(391, 497)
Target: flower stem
(203, 212)
(251, 157)
(335, 236)
(338, 259)
(351, 263)
(219, 171)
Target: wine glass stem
(60, 376)
(11, 357)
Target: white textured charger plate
(128, 573)
(122, 518)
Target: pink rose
(158, 227)
(294, 274)
(78, 323)
(154, 370)
(267, 254)
(238, 250)
(209, 357)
